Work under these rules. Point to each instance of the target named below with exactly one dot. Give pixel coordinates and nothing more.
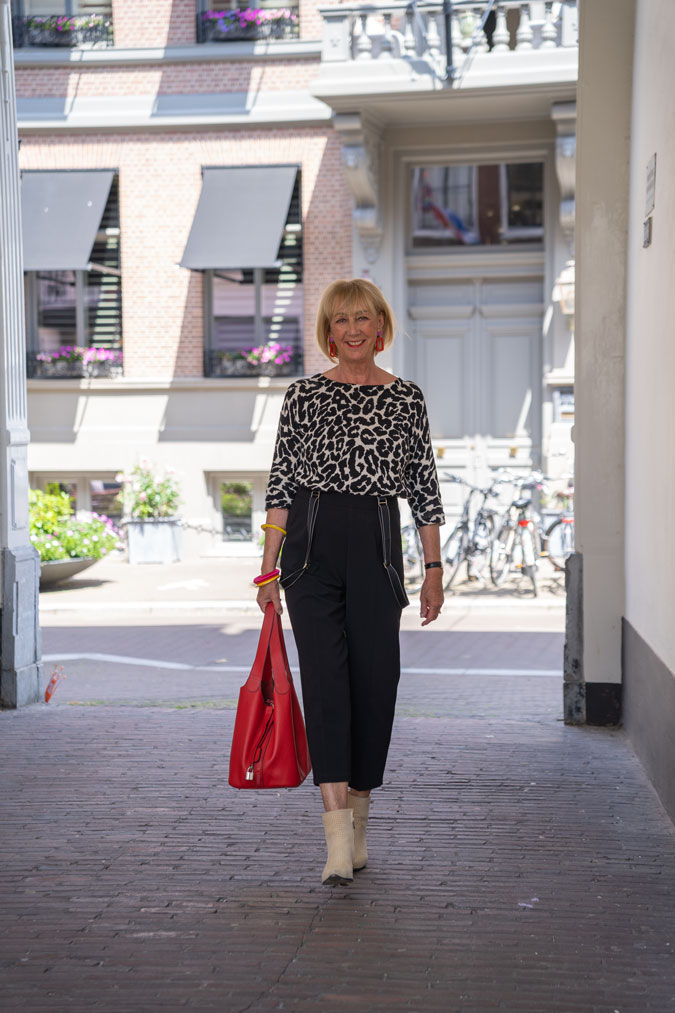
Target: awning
(61, 213)
(240, 217)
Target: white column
(602, 192)
(21, 679)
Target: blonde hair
(358, 293)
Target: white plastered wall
(650, 345)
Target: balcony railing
(248, 23)
(416, 31)
(61, 30)
(234, 364)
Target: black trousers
(345, 617)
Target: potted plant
(149, 501)
(66, 544)
(76, 361)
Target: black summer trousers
(345, 618)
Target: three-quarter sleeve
(282, 485)
(424, 495)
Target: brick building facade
(454, 193)
(156, 108)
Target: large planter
(155, 540)
(55, 571)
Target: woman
(349, 442)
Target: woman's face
(354, 331)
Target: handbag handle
(271, 648)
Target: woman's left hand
(431, 596)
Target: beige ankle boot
(339, 830)
(360, 807)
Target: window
(229, 21)
(104, 497)
(257, 315)
(74, 318)
(236, 503)
(97, 495)
(475, 205)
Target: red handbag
(269, 744)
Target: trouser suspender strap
(385, 528)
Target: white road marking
(124, 659)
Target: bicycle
(560, 534)
(517, 543)
(471, 541)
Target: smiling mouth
(355, 344)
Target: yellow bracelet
(263, 582)
(275, 526)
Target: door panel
(443, 355)
(509, 400)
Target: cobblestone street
(515, 864)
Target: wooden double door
(474, 345)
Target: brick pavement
(516, 864)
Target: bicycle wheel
(413, 559)
(480, 550)
(529, 547)
(501, 553)
(453, 553)
(560, 536)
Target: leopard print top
(366, 439)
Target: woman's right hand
(270, 592)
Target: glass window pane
(236, 501)
(103, 290)
(525, 195)
(104, 493)
(473, 205)
(56, 294)
(282, 308)
(233, 311)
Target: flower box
(248, 23)
(240, 367)
(272, 359)
(57, 30)
(73, 362)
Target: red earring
(379, 344)
(332, 349)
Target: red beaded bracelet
(264, 577)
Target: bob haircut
(359, 293)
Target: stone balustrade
(415, 32)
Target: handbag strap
(255, 678)
(272, 648)
(281, 671)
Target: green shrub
(57, 534)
